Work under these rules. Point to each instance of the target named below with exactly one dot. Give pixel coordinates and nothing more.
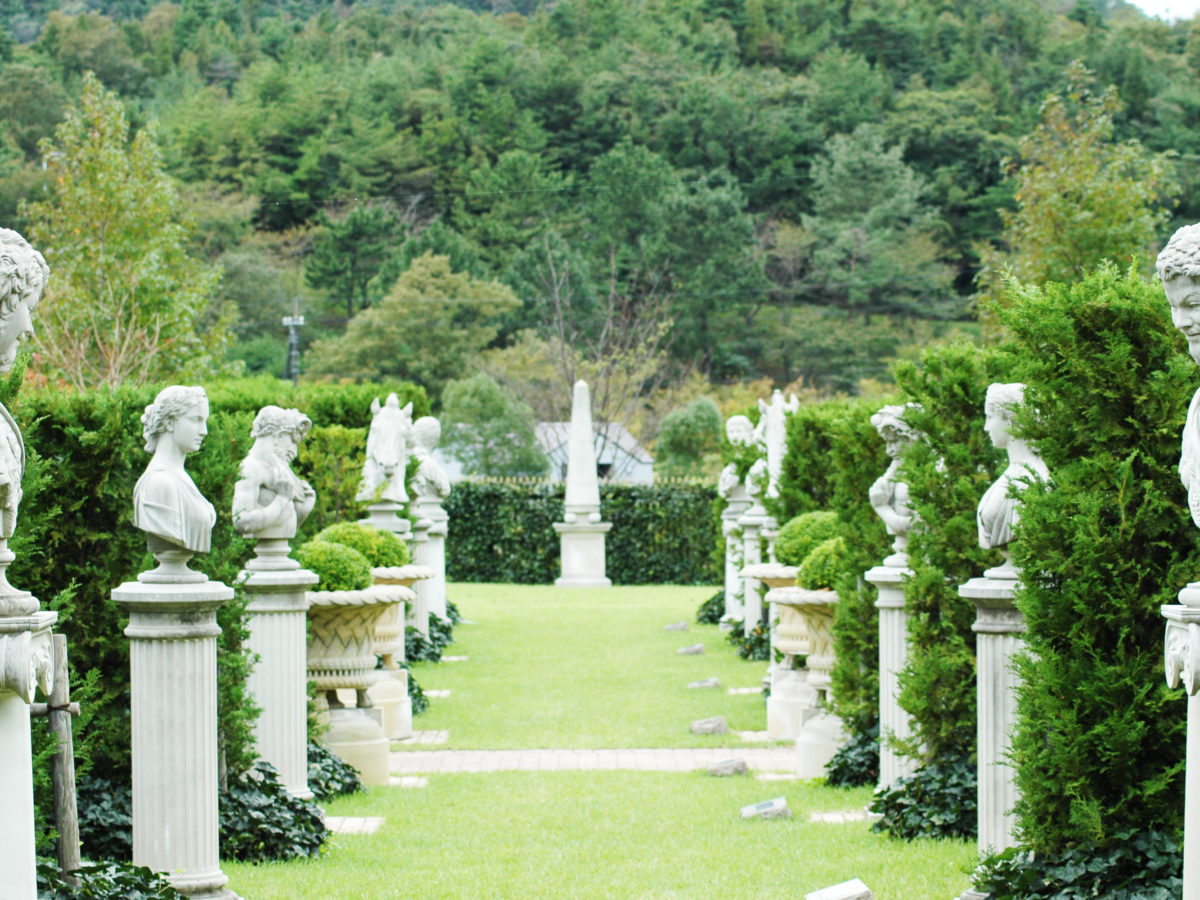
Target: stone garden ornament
(387, 452)
(1178, 266)
(772, 430)
(889, 495)
(269, 500)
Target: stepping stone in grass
(706, 683)
(676, 626)
(729, 767)
(694, 650)
(768, 809)
(847, 890)
(715, 725)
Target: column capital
(1181, 656)
(26, 659)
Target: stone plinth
(582, 549)
(1182, 662)
(418, 608)
(341, 654)
(752, 522)
(173, 698)
(25, 662)
(432, 554)
(389, 694)
(276, 610)
(735, 609)
(998, 628)
(388, 515)
(822, 734)
(893, 656)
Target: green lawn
(551, 668)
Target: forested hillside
(740, 188)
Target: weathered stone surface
(768, 809)
(847, 890)
(693, 650)
(676, 626)
(729, 767)
(706, 683)
(715, 725)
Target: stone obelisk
(581, 532)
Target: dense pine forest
(718, 190)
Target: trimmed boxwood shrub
(800, 535)
(340, 568)
(504, 532)
(1099, 748)
(381, 548)
(824, 566)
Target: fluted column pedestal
(433, 555)
(276, 612)
(752, 522)
(1182, 658)
(998, 628)
(24, 662)
(418, 611)
(734, 607)
(893, 656)
(173, 697)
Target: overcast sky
(1168, 9)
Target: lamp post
(293, 324)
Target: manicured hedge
(504, 532)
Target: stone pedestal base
(998, 628)
(388, 516)
(433, 555)
(893, 655)
(173, 699)
(418, 609)
(792, 703)
(819, 739)
(752, 523)
(357, 737)
(389, 695)
(1182, 661)
(276, 610)
(582, 547)
(24, 661)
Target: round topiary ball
(823, 566)
(381, 548)
(800, 535)
(339, 567)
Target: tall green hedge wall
(1100, 741)
(504, 532)
(834, 454)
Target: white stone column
(432, 554)
(276, 614)
(1182, 659)
(173, 698)
(24, 662)
(735, 608)
(893, 656)
(418, 612)
(581, 533)
(751, 524)
(998, 628)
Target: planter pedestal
(735, 611)
(389, 694)
(822, 734)
(752, 521)
(582, 547)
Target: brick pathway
(763, 759)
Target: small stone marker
(715, 725)
(706, 683)
(694, 650)
(847, 890)
(769, 809)
(729, 767)
(676, 626)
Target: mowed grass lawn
(573, 668)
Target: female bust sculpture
(166, 503)
(998, 510)
(889, 496)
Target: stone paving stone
(747, 690)
(408, 781)
(454, 659)
(776, 776)
(761, 759)
(427, 737)
(754, 737)
(438, 694)
(353, 824)
(840, 817)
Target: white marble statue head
(1178, 267)
(740, 431)
(999, 409)
(426, 432)
(894, 429)
(180, 411)
(23, 276)
(283, 429)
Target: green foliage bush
(381, 548)
(686, 436)
(504, 532)
(801, 534)
(105, 810)
(856, 762)
(1135, 865)
(824, 565)
(711, 610)
(937, 801)
(754, 645)
(1099, 739)
(340, 568)
(261, 820)
(329, 775)
(105, 881)
(416, 695)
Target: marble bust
(889, 495)
(429, 480)
(166, 503)
(1178, 267)
(998, 509)
(740, 431)
(23, 277)
(270, 500)
(387, 452)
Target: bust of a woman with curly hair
(166, 502)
